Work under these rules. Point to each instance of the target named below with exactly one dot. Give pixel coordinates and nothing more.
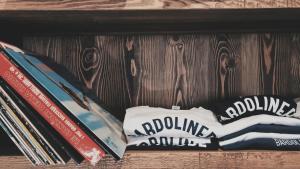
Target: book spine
(50, 111)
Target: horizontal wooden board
(117, 4)
(142, 4)
(176, 20)
(268, 4)
(180, 159)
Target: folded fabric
(159, 122)
(150, 127)
(199, 122)
(242, 126)
(234, 109)
(168, 141)
(254, 140)
(263, 128)
(209, 147)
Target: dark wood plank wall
(176, 69)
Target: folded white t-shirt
(151, 121)
(146, 141)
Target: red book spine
(50, 111)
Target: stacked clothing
(251, 122)
(258, 122)
(149, 127)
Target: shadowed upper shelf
(189, 20)
(149, 15)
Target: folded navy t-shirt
(263, 141)
(230, 110)
(263, 128)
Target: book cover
(49, 110)
(63, 150)
(111, 133)
(10, 133)
(106, 129)
(18, 137)
(55, 157)
(28, 137)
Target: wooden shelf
(181, 159)
(142, 4)
(57, 20)
(21, 22)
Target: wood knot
(176, 41)
(226, 63)
(89, 65)
(129, 44)
(176, 38)
(133, 68)
(130, 48)
(179, 45)
(90, 58)
(231, 63)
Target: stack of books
(50, 120)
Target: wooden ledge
(189, 20)
(32, 16)
(182, 159)
(142, 4)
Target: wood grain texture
(187, 70)
(266, 3)
(294, 81)
(225, 53)
(293, 3)
(275, 63)
(234, 60)
(97, 61)
(142, 4)
(165, 72)
(250, 65)
(180, 159)
(117, 4)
